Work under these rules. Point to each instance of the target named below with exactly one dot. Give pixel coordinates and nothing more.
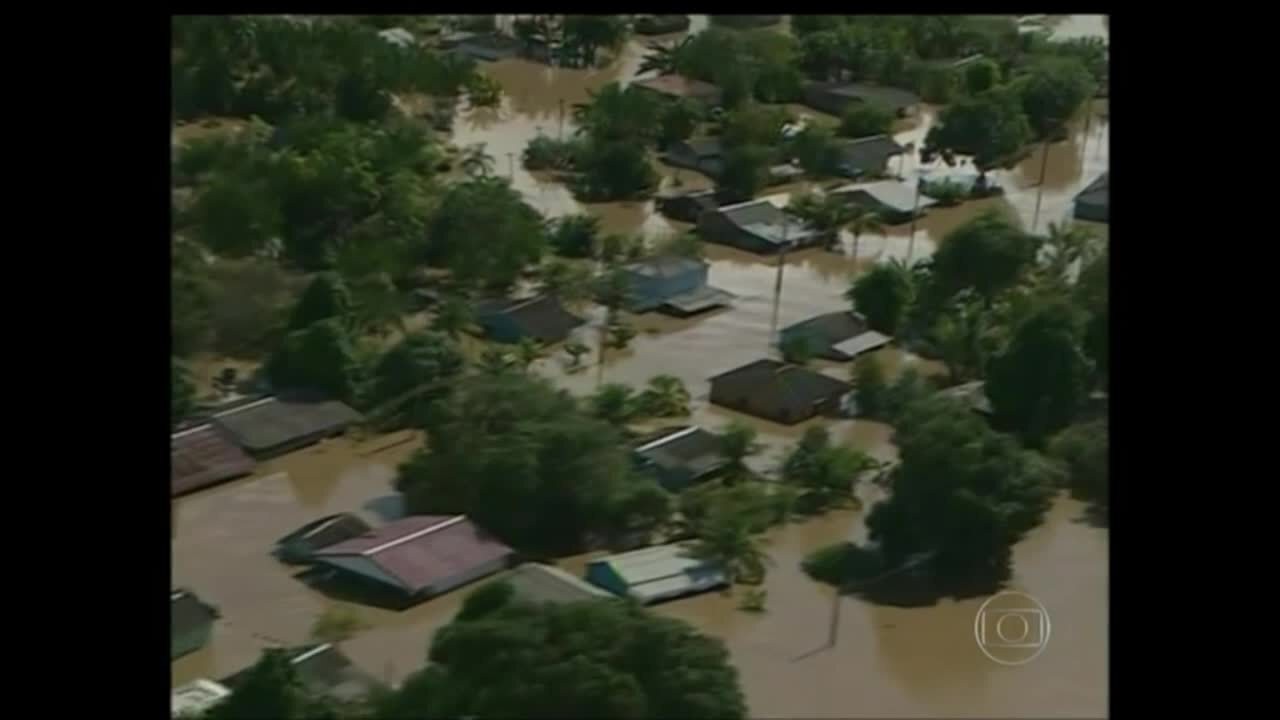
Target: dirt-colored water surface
(886, 662)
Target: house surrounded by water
(675, 284)
(324, 671)
(539, 583)
(204, 456)
(780, 392)
(417, 557)
(837, 97)
(190, 623)
(680, 457)
(540, 318)
(300, 545)
(896, 202)
(703, 154)
(867, 157)
(274, 426)
(757, 226)
(837, 336)
(654, 574)
(678, 87)
(1093, 203)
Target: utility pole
(915, 212)
(1044, 165)
(561, 138)
(777, 287)
(511, 166)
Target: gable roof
(830, 328)
(421, 550)
(893, 98)
(765, 220)
(328, 530)
(781, 385)
(1096, 192)
(865, 342)
(893, 194)
(187, 612)
(869, 153)
(663, 571)
(540, 583)
(273, 422)
(203, 456)
(541, 317)
(323, 669)
(690, 448)
(676, 85)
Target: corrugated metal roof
(664, 571)
(898, 196)
(867, 341)
(703, 298)
(545, 583)
(397, 36)
(541, 317)
(665, 266)
(273, 422)
(201, 457)
(421, 550)
(187, 612)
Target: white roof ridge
(254, 404)
(668, 438)
(414, 535)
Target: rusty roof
(203, 456)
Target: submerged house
(195, 697)
(540, 318)
(653, 574)
(679, 87)
(687, 206)
(677, 285)
(1094, 201)
(757, 226)
(780, 392)
(300, 545)
(190, 623)
(896, 202)
(418, 557)
(836, 97)
(325, 671)
(204, 456)
(867, 157)
(274, 426)
(837, 336)
(538, 583)
(704, 155)
(482, 47)
(681, 457)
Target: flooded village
(792, 661)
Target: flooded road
(887, 662)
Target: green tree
(745, 172)
(522, 460)
(575, 350)
(320, 358)
(269, 689)
(679, 119)
(666, 396)
(454, 315)
(236, 216)
(588, 34)
(662, 58)
(827, 473)
(189, 293)
(615, 170)
(992, 128)
(514, 233)
(476, 161)
(566, 281)
(797, 349)
(755, 125)
(883, 295)
(980, 76)
(574, 236)
(828, 214)
(737, 443)
(594, 659)
(958, 336)
(987, 253)
(414, 373)
(869, 384)
(686, 244)
(1084, 449)
(725, 539)
(1051, 91)
(378, 307)
(359, 99)
(863, 221)
(528, 351)
(1039, 382)
(817, 150)
(1068, 244)
(325, 298)
(614, 403)
(614, 114)
(182, 392)
(865, 120)
(1092, 293)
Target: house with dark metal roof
(896, 202)
(836, 97)
(273, 426)
(972, 394)
(867, 157)
(680, 457)
(679, 87)
(299, 545)
(541, 318)
(704, 155)
(418, 557)
(538, 583)
(780, 392)
(1094, 202)
(687, 206)
(190, 623)
(203, 456)
(837, 336)
(654, 574)
(757, 226)
(324, 671)
(482, 47)
(674, 284)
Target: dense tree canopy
(580, 660)
(414, 373)
(525, 462)
(1052, 91)
(1084, 450)
(990, 127)
(320, 358)
(883, 295)
(272, 689)
(514, 235)
(825, 472)
(987, 253)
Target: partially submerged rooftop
(267, 426)
(188, 612)
(203, 456)
(766, 220)
(690, 449)
(840, 335)
(542, 317)
(679, 86)
(658, 573)
(894, 195)
(195, 697)
(540, 583)
(893, 98)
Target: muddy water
(887, 662)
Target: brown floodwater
(886, 662)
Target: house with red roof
(418, 557)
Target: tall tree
(568, 282)
(738, 442)
(862, 222)
(725, 539)
(745, 172)
(413, 374)
(326, 297)
(883, 295)
(574, 236)
(271, 688)
(666, 396)
(1039, 382)
(987, 253)
(588, 34)
(1084, 449)
(991, 127)
(828, 473)
(182, 391)
(614, 403)
(320, 358)
(454, 315)
(513, 231)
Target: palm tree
(725, 539)
(476, 161)
(666, 396)
(378, 305)
(569, 283)
(575, 350)
(1066, 245)
(827, 214)
(613, 113)
(737, 443)
(614, 403)
(494, 361)
(663, 58)
(863, 221)
(528, 352)
(959, 334)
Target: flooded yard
(886, 662)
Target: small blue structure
(654, 574)
(676, 284)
